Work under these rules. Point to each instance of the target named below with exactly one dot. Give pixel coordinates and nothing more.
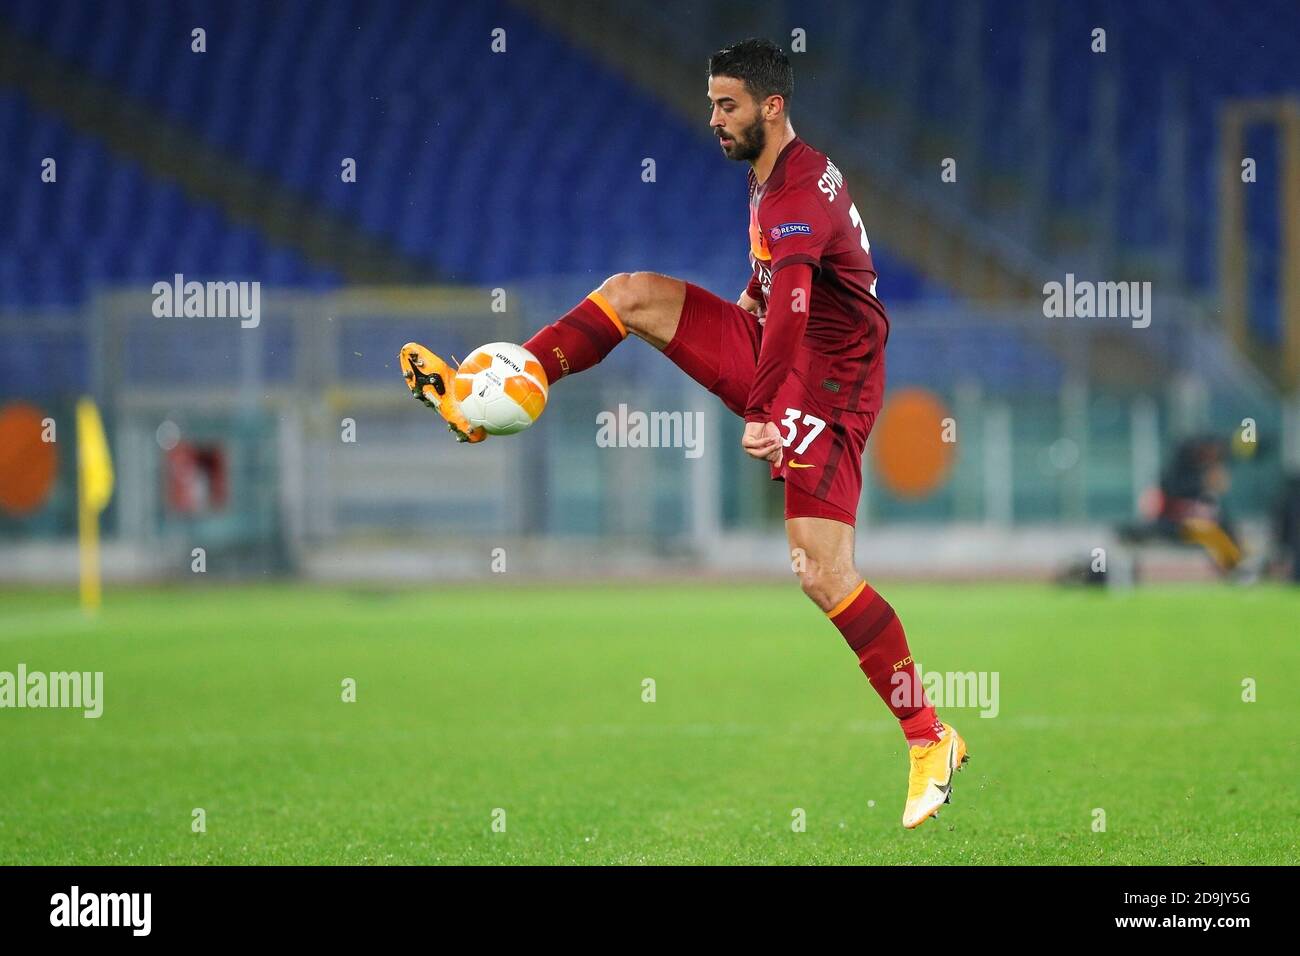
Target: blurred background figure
(379, 168)
(1288, 530)
(1188, 505)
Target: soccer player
(800, 356)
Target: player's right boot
(429, 379)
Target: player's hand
(762, 440)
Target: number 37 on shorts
(793, 421)
(823, 453)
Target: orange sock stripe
(610, 314)
(853, 596)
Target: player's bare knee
(818, 583)
(615, 289)
(634, 296)
(626, 293)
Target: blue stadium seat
(451, 169)
(105, 221)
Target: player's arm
(748, 304)
(787, 318)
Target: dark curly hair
(760, 64)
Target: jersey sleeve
(796, 227)
(787, 317)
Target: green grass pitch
(529, 699)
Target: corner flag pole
(94, 489)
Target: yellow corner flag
(94, 489)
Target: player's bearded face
(746, 143)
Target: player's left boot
(929, 784)
(429, 379)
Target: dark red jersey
(804, 214)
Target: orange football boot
(429, 379)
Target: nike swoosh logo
(946, 787)
(799, 464)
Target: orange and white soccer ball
(501, 387)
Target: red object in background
(195, 478)
(29, 465)
(1151, 503)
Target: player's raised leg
(714, 341)
(822, 549)
(644, 304)
(690, 325)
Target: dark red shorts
(717, 344)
